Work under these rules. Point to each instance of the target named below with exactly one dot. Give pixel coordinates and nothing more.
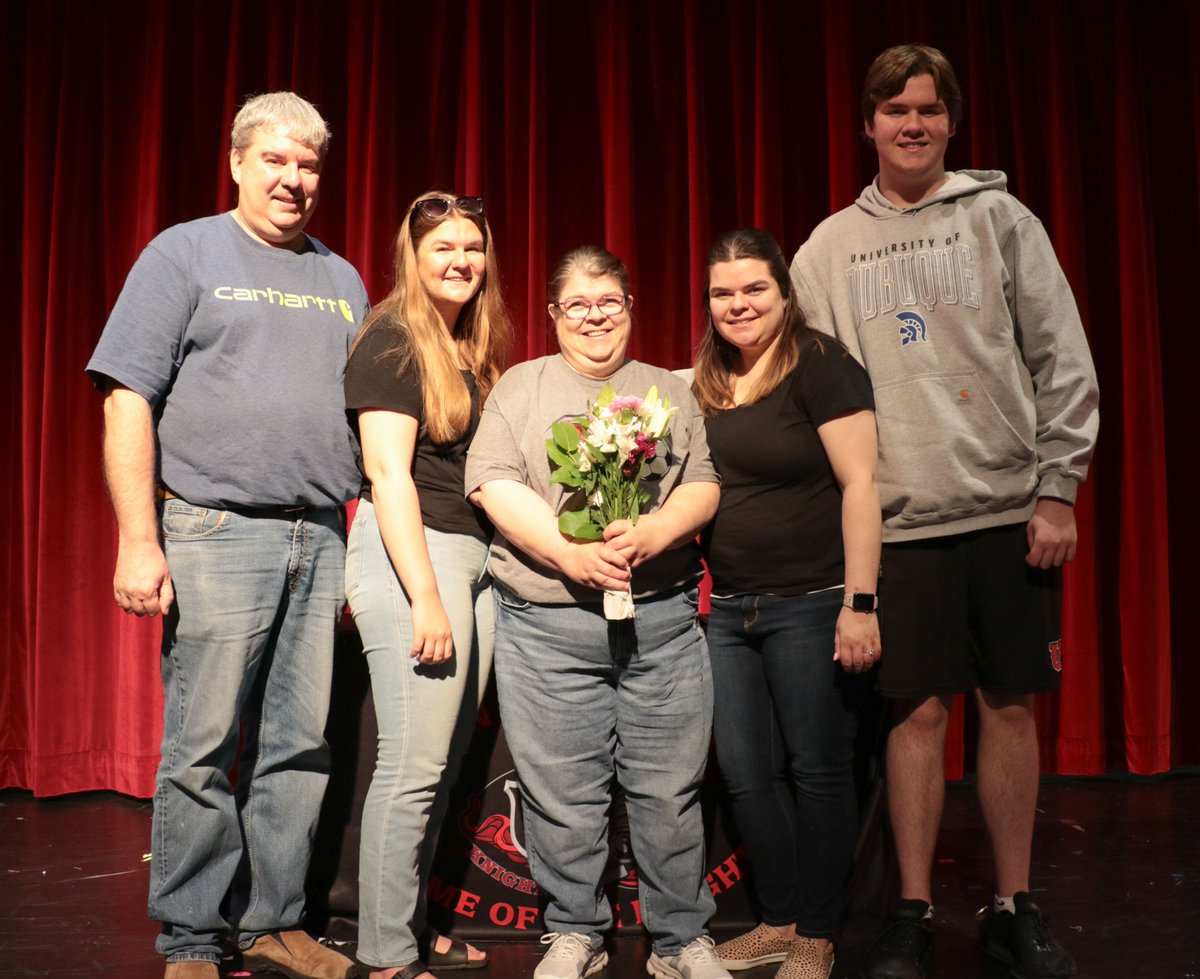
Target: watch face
(863, 602)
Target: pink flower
(629, 401)
(646, 446)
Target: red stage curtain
(648, 127)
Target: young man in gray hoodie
(948, 291)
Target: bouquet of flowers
(603, 454)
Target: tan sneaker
(808, 958)
(571, 955)
(196, 969)
(696, 960)
(296, 955)
(763, 946)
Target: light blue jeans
(426, 716)
(253, 594)
(582, 698)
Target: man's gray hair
(280, 109)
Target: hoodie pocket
(948, 451)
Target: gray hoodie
(985, 392)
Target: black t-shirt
(778, 529)
(438, 471)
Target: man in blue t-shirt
(228, 460)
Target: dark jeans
(785, 722)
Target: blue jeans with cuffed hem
(582, 698)
(257, 600)
(426, 715)
(785, 725)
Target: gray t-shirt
(511, 444)
(240, 349)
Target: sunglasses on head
(438, 207)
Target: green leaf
(606, 395)
(568, 477)
(579, 525)
(565, 435)
(559, 457)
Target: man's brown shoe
(295, 954)
(195, 969)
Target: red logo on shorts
(1056, 655)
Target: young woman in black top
(794, 555)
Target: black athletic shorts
(966, 611)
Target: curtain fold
(1145, 619)
(646, 127)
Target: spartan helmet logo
(499, 831)
(912, 328)
(499, 835)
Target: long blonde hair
(482, 335)
(717, 358)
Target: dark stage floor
(1118, 862)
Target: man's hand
(1051, 534)
(141, 582)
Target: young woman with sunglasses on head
(794, 555)
(423, 362)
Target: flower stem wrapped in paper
(602, 454)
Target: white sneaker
(569, 956)
(698, 960)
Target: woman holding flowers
(415, 567)
(794, 555)
(584, 696)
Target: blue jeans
(785, 725)
(426, 716)
(257, 599)
(580, 698)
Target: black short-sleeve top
(374, 379)
(778, 530)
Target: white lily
(659, 418)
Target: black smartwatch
(861, 601)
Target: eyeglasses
(580, 309)
(438, 207)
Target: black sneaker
(904, 948)
(1023, 941)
